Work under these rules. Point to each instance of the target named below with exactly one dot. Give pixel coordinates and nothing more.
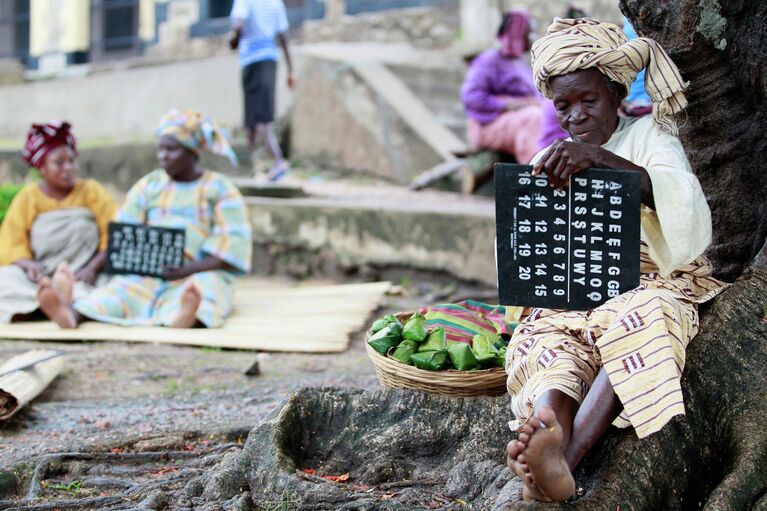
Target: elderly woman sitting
(207, 206)
(60, 222)
(620, 363)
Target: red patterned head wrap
(514, 32)
(43, 138)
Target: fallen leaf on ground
(309, 471)
(163, 471)
(339, 479)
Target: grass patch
(72, 488)
(288, 501)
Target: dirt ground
(114, 398)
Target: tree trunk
(722, 52)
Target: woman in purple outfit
(505, 110)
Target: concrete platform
(384, 226)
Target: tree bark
(722, 51)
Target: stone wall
(544, 12)
(358, 115)
(480, 18)
(427, 27)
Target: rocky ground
(124, 423)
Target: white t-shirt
(263, 20)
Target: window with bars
(120, 24)
(21, 28)
(219, 8)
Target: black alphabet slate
(572, 249)
(140, 249)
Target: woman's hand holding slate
(565, 158)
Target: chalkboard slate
(572, 249)
(140, 249)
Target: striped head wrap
(196, 132)
(573, 44)
(43, 138)
(515, 32)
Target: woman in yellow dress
(58, 223)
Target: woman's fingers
(539, 167)
(550, 165)
(560, 174)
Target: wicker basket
(393, 373)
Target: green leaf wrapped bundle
(484, 350)
(501, 358)
(461, 356)
(436, 341)
(404, 351)
(415, 328)
(499, 342)
(430, 360)
(382, 323)
(386, 339)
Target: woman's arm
(207, 263)
(476, 89)
(90, 272)
(14, 230)
(33, 269)
(517, 103)
(565, 158)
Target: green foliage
(7, 192)
(73, 488)
(288, 501)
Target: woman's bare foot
(187, 313)
(543, 455)
(516, 461)
(63, 282)
(53, 307)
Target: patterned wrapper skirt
(639, 337)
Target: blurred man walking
(257, 25)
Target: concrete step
(381, 227)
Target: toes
(530, 426)
(513, 448)
(547, 415)
(194, 291)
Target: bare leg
(598, 410)
(545, 456)
(517, 457)
(251, 138)
(63, 282)
(553, 449)
(270, 140)
(54, 308)
(281, 166)
(187, 314)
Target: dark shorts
(258, 83)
